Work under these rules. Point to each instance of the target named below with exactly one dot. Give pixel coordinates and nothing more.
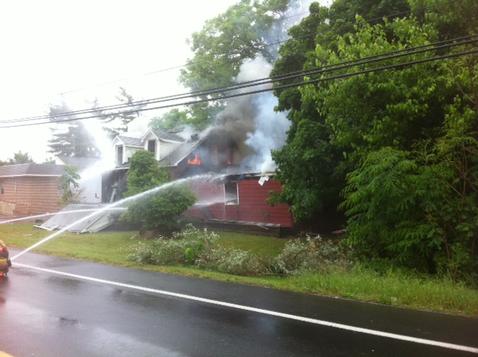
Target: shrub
(198, 247)
(161, 210)
(141, 253)
(183, 248)
(232, 261)
(69, 184)
(312, 254)
(418, 209)
(144, 173)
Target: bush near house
(387, 285)
(202, 249)
(158, 211)
(69, 184)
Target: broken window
(231, 192)
(152, 146)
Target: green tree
(69, 184)
(224, 43)
(451, 18)
(144, 173)
(402, 142)
(322, 26)
(72, 140)
(20, 158)
(160, 210)
(310, 167)
(173, 119)
(116, 121)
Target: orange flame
(196, 161)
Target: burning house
(238, 198)
(238, 146)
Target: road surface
(61, 307)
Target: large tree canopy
(243, 31)
(396, 149)
(228, 39)
(309, 166)
(116, 121)
(323, 26)
(73, 139)
(70, 139)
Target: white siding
(151, 136)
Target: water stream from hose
(116, 204)
(47, 214)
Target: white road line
(263, 311)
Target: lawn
(394, 288)
(113, 247)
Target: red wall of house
(252, 207)
(29, 195)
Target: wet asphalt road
(42, 314)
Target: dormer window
(119, 154)
(152, 146)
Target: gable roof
(164, 135)
(31, 169)
(184, 150)
(130, 141)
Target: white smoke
(253, 119)
(297, 10)
(91, 176)
(269, 127)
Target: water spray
(115, 204)
(28, 218)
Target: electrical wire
(264, 81)
(278, 42)
(307, 82)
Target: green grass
(394, 288)
(261, 245)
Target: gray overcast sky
(75, 47)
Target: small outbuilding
(27, 189)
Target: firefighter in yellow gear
(5, 262)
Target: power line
(262, 81)
(171, 68)
(268, 80)
(167, 69)
(313, 81)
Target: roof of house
(164, 135)
(31, 169)
(184, 150)
(129, 141)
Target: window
(119, 154)
(152, 146)
(231, 192)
